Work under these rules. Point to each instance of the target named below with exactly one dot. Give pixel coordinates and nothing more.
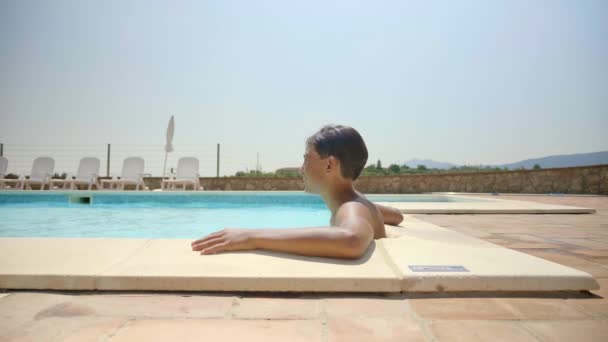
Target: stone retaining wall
(572, 180)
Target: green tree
(537, 167)
(370, 170)
(287, 173)
(421, 167)
(254, 173)
(379, 165)
(394, 168)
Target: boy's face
(312, 170)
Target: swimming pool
(164, 215)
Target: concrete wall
(573, 180)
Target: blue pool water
(163, 215)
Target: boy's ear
(332, 162)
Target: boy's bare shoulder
(362, 212)
(358, 208)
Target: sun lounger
(87, 174)
(187, 174)
(42, 171)
(132, 174)
(3, 168)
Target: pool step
(80, 199)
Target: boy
(334, 158)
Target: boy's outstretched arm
(349, 239)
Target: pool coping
(170, 265)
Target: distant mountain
(430, 164)
(565, 160)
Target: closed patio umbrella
(168, 145)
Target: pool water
(161, 215)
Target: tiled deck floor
(579, 241)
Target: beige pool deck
(532, 297)
(494, 204)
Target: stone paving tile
(376, 329)
(470, 232)
(572, 235)
(596, 308)
(98, 330)
(155, 305)
(21, 308)
(488, 228)
(571, 232)
(591, 252)
(66, 329)
(543, 308)
(498, 241)
(527, 245)
(524, 237)
(184, 330)
(142, 305)
(602, 261)
(276, 308)
(472, 331)
(368, 307)
(468, 308)
(567, 331)
(585, 243)
(603, 290)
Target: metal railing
(67, 157)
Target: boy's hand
(227, 239)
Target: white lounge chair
(3, 168)
(132, 173)
(87, 174)
(42, 171)
(187, 174)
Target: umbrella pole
(165, 165)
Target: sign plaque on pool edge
(437, 268)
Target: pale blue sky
(458, 81)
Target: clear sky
(467, 82)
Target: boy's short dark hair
(344, 143)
